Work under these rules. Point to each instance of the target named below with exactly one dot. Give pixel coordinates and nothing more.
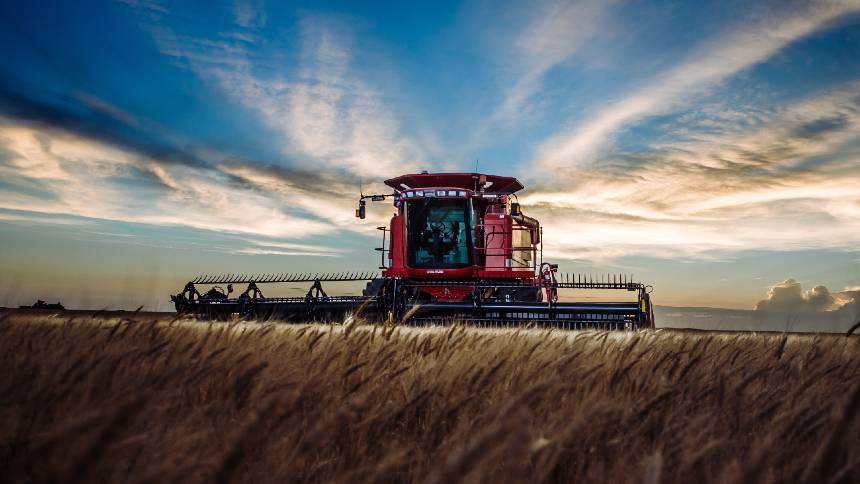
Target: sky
(711, 149)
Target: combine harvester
(459, 249)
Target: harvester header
(457, 249)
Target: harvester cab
(457, 249)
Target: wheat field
(138, 399)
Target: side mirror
(515, 209)
(360, 211)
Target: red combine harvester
(459, 249)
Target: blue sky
(713, 149)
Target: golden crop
(142, 400)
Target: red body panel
(494, 242)
(396, 251)
(448, 294)
(497, 242)
(467, 181)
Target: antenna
(360, 189)
(476, 165)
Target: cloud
(329, 196)
(789, 297)
(91, 179)
(787, 308)
(324, 113)
(288, 248)
(249, 13)
(736, 49)
(152, 6)
(555, 32)
(93, 118)
(730, 180)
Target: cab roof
(468, 181)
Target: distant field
(146, 400)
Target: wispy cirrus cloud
(714, 60)
(783, 180)
(56, 172)
(326, 114)
(259, 247)
(249, 13)
(554, 32)
(84, 157)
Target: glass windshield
(438, 233)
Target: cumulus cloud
(789, 297)
(734, 50)
(788, 307)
